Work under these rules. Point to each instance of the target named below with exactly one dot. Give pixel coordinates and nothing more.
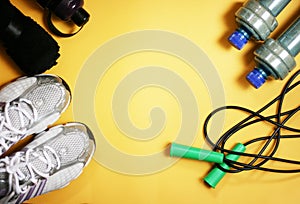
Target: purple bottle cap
(72, 10)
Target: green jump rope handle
(216, 174)
(178, 150)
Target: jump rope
(258, 161)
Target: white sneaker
(53, 159)
(29, 105)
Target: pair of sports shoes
(55, 156)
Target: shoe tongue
(3, 184)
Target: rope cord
(271, 142)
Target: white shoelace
(8, 133)
(15, 165)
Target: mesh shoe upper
(29, 105)
(53, 159)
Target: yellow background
(207, 24)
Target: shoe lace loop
(8, 133)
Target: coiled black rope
(271, 144)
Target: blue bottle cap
(238, 39)
(257, 78)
